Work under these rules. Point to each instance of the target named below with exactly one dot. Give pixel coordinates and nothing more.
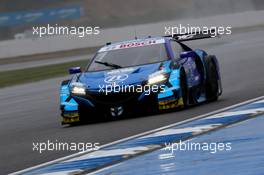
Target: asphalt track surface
(30, 112)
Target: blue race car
(138, 76)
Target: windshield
(128, 57)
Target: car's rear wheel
(184, 89)
(211, 79)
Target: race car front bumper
(74, 108)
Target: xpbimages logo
(115, 88)
(211, 147)
(115, 84)
(64, 146)
(80, 31)
(183, 29)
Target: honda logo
(116, 78)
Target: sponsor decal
(131, 44)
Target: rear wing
(194, 35)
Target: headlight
(156, 79)
(78, 88)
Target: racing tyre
(184, 89)
(211, 79)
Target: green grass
(15, 77)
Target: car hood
(125, 76)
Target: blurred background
(17, 17)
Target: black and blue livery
(179, 75)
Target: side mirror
(75, 70)
(187, 54)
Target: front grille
(112, 98)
